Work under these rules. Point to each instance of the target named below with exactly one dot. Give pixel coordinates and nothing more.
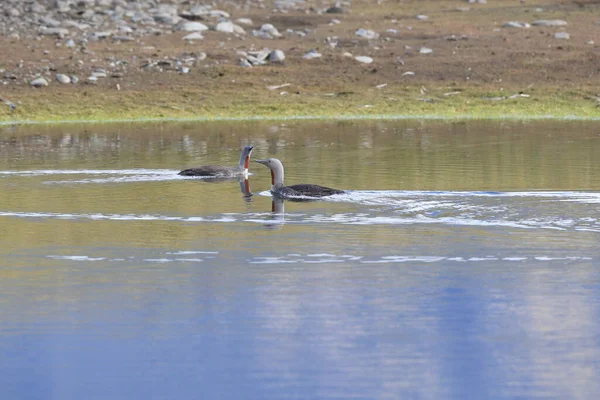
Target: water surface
(461, 263)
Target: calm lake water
(462, 263)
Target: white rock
(192, 26)
(229, 27)
(312, 54)
(60, 32)
(366, 33)
(267, 31)
(193, 36)
(39, 82)
(422, 17)
(61, 78)
(516, 24)
(347, 54)
(425, 50)
(562, 35)
(244, 21)
(364, 59)
(549, 22)
(70, 43)
(276, 56)
(224, 26)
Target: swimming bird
(300, 190)
(217, 171)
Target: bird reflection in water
(277, 218)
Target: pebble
(267, 31)
(364, 59)
(70, 43)
(312, 54)
(276, 56)
(229, 27)
(562, 35)
(61, 78)
(193, 36)
(244, 21)
(39, 82)
(74, 79)
(60, 32)
(516, 24)
(422, 17)
(425, 50)
(121, 38)
(366, 33)
(192, 26)
(335, 10)
(549, 22)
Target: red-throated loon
(217, 171)
(299, 190)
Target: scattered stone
(39, 82)
(425, 50)
(267, 31)
(516, 24)
(381, 86)
(244, 21)
(92, 79)
(245, 63)
(121, 38)
(49, 22)
(8, 103)
(347, 54)
(364, 59)
(335, 10)
(335, 22)
(399, 60)
(192, 26)
(366, 33)
(549, 22)
(275, 87)
(70, 43)
(477, 1)
(589, 42)
(74, 79)
(193, 36)
(422, 17)
(408, 73)
(562, 35)
(229, 27)
(312, 54)
(61, 78)
(60, 32)
(276, 56)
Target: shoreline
(373, 117)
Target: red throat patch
(272, 178)
(246, 162)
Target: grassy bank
(100, 105)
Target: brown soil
(471, 49)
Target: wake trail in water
(522, 209)
(104, 175)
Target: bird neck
(276, 178)
(244, 161)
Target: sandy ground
(474, 55)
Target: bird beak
(263, 162)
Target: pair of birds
(276, 167)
